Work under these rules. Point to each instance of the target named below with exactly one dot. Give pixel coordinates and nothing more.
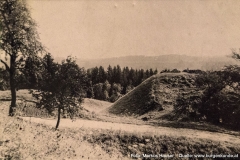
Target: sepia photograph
(119, 79)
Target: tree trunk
(59, 116)
(14, 97)
(12, 86)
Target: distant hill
(160, 62)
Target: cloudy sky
(112, 28)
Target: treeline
(112, 83)
(101, 84)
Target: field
(100, 134)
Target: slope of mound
(157, 93)
(94, 105)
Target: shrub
(187, 106)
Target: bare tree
(19, 40)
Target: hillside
(161, 62)
(93, 105)
(157, 93)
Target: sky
(112, 28)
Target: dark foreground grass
(204, 126)
(148, 146)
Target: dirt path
(178, 132)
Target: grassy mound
(156, 93)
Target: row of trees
(106, 85)
(125, 76)
(110, 84)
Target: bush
(187, 106)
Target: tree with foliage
(102, 75)
(221, 96)
(4, 82)
(19, 40)
(131, 77)
(61, 87)
(151, 72)
(95, 75)
(118, 76)
(147, 74)
(140, 76)
(155, 71)
(30, 75)
(97, 90)
(217, 99)
(110, 74)
(106, 89)
(116, 92)
(125, 74)
(89, 90)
